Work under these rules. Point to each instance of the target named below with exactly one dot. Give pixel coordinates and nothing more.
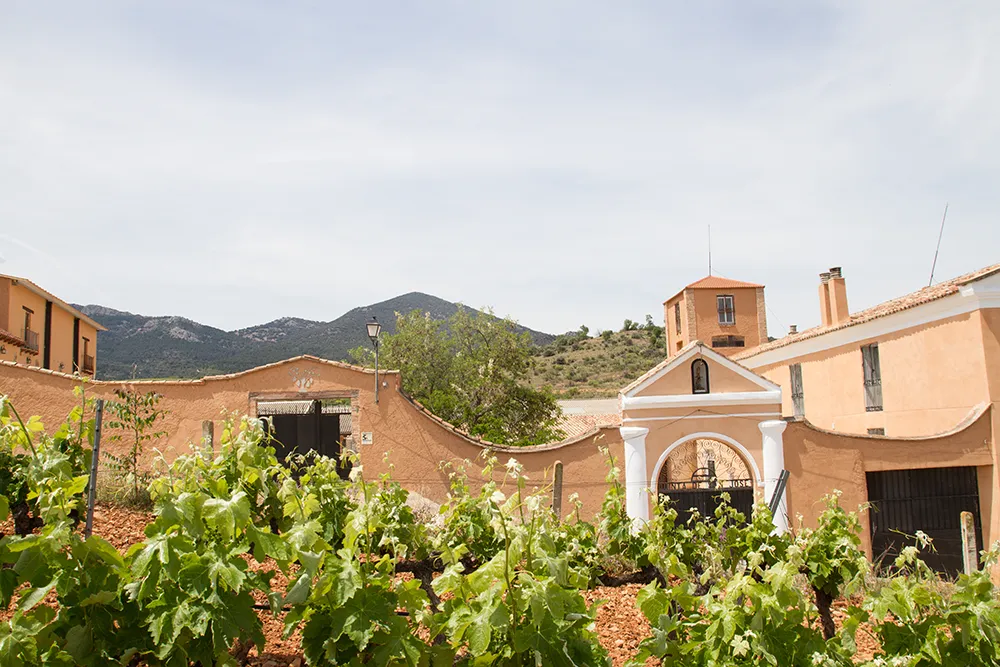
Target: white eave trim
(972, 297)
(769, 397)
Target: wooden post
(557, 483)
(970, 556)
(95, 457)
(208, 434)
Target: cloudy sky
(235, 161)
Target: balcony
(88, 364)
(31, 341)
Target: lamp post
(373, 331)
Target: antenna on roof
(710, 250)
(938, 248)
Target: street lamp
(373, 331)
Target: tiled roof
(45, 294)
(715, 282)
(911, 300)
(718, 282)
(11, 339)
(577, 425)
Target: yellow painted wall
(62, 340)
(932, 376)
(20, 298)
(707, 314)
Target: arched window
(699, 376)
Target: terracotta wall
(675, 339)
(820, 462)
(416, 443)
(932, 377)
(747, 321)
(404, 436)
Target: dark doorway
(301, 427)
(930, 500)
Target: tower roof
(716, 282)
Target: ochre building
(38, 329)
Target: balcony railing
(88, 364)
(31, 340)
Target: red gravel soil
(620, 625)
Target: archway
(695, 472)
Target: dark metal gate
(301, 427)
(929, 500)
(703, 493)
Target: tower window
(727, 310)
(728, 341)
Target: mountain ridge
(175, 346)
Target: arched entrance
(695, 473)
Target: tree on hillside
(472, 370)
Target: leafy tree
(472, 370)
(584, 332)
(133, 417)
(629, 325)
(606, 335)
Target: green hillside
(579, 366)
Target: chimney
(839, 312)
(794, 329)
(824, 299)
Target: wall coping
(974, 415)
(205, 379)
(492, 446)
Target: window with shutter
(798, 396)
(677, 317)
(727, 311)
(873, 377)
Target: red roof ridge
(884, 309)
(716, 282)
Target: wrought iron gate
(930, 500)
(704, 493)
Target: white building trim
(747, 456)
(628, 420)
(971, 297)
(636, 500)
(772, 396)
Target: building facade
(41, 330)
(727, 315)
(913, 384)
(913, 366)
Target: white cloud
(559, 162)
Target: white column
(636, 483)
(774, 463)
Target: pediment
(673, 376)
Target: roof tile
(905, 302)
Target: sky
(236, 161)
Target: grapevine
(497, 577)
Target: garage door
(931, 500)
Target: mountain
(178, 347)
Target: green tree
(473, 371)
(133, 418)
(629, 325)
